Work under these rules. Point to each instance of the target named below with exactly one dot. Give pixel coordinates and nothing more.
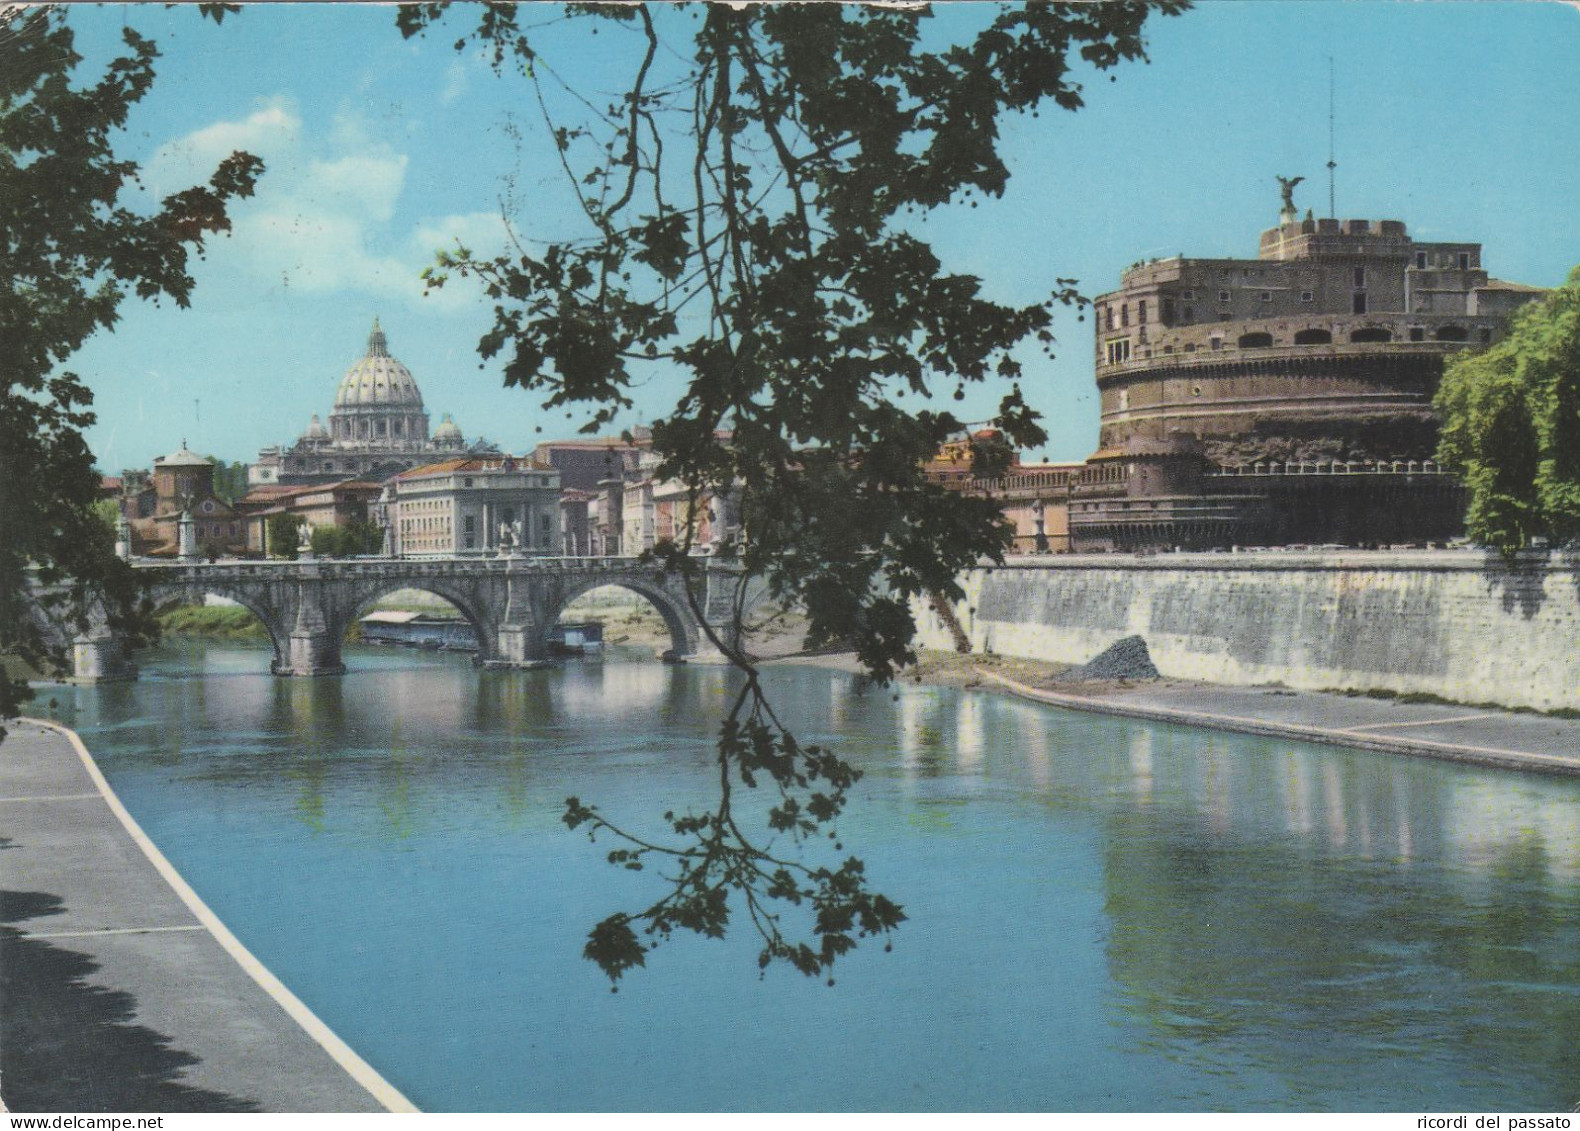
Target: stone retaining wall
(1462, 625)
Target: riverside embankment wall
(1462, 625)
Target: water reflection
(1106, 913)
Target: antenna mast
(1332, 164)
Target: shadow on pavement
(67, 1045)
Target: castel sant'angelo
(1283, 399)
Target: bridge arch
(272, 619)
(465, 603)
(685, 636)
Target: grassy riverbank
(214, 622)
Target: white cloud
(323, 219)
(455, 80)
(482, 233)
(365, 184)
(297, 245)
(271, 132)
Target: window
(1118, 351)
(1266, 296)
(1108, 316)
(1360, 302)
(1168, 311)
(1217, 343)
(1418, 333)
(1360, 276)
(1371, 334)
(1255, 341)
(1187, 296)
(1420, 260)
(1124, 314)
(1313, 337)
(1308, 296)
(1223, 296)
(1141, 312)
(468, 524)
(1464, 261)
(466, 482)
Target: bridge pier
(97, 657)
(313, 646)
(518, 646)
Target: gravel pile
(1124, 659)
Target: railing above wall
(1332, 467)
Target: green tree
(71, 249)
(1511, 426)
(348, 541)
(108, 512)
(752, 203)
(230, 480)
(282, 536)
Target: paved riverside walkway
(1480, 736)
(119, 990)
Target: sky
(1457, 118)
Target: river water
(1104, 914)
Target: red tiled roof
(473, 463)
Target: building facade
(473, 506)
(377, 427)
(180, 483)
(1287, 398)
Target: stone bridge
(512, 603)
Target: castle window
(1420, 260)
(1124, 314)
(1266, 296)
(1255, 341)
(1371, 334)
(1418, 333)
(1217, 343)
(1464, 261)
(1187, 296)
(466, 482)
(1141, 312)
(1118, 351)
(1307, 296)
(1223, 296)
(1168, 311)
(1360, 276)
(1452, 334)
(1359, 306)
